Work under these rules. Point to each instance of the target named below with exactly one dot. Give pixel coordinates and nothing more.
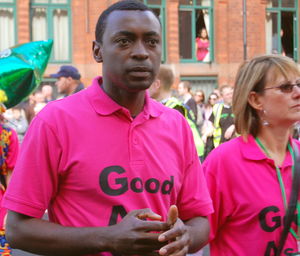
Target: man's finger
(172, 215)
(145, 214)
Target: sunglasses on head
(286, 88)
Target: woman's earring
(263, 118)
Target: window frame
(12, 5)
(278, 10)
(202, 78)
(162, 18)
(194, 8)
(50, 7)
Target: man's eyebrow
(131, 34)
(123, 33)
(152, 33)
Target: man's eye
(153, 42)
(123, 42)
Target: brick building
(237, 30)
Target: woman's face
(199, 97)
(203, 33)
(281, 104)
(212, 99)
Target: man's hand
(177, 236)
(138, 233)
(229, 132)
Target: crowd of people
(117, 165)
(20, 116)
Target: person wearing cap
(68, 80)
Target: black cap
(67, 71)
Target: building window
(159, 8)
(206, 83)
(50, 19)
(7, 24)
(282, 27)
(196, 30)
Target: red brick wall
(23, 16)
(228, 37)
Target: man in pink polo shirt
(109, 163)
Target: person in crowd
(47, 91)
(17, 121)
(222, 117)
(98, 158)
(28, 107)
(202, 46)
(199, 98)
(39, 101)
(250, 177)
(207, 127)
(217, 92)
(9, 148)
(296, 131)
(161, 91)
(68, 80)
(185, 92)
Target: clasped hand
(141, 232)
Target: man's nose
(139, 50)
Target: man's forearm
(42, 237)
(199, 232)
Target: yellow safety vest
(217, 111)
(173, 103)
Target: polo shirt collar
(250, 150)
(105, 106)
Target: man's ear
(254, 99)
(97, 51)
(156, 84)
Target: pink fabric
(202, 48)
(10, 162)
(247, 200)
(91, 157)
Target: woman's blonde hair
(251, 76)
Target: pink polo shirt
(249, 210)
(88, 162)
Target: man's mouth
(140, 72)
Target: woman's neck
(275, 141)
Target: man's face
(130, 50)
(62, 84)
(227, 95)
(181, 89)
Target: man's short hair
(186, 85)
(223, 87)
(125, 5)
(166, 77)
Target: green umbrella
(21, 70)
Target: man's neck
(163, 96)
(186, 97)
(133, 101)
(72, 88)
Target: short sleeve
(194, 199)
(36, 170)
(213, 169)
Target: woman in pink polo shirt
(250, 177)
